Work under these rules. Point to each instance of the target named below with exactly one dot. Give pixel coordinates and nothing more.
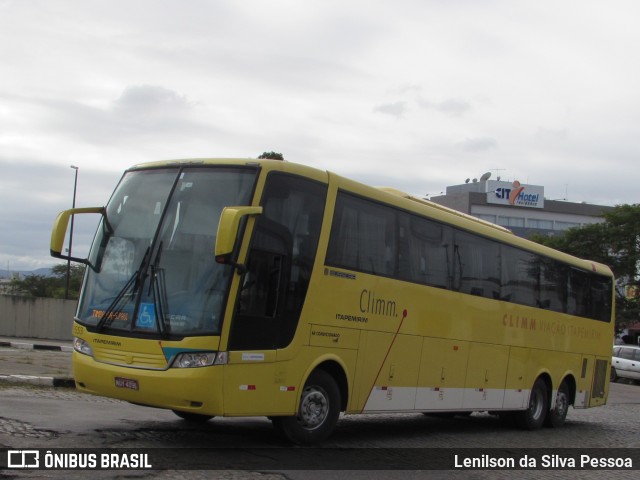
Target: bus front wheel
(318, 411)
(533, 417)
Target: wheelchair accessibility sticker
(146, 316)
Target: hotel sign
(516, 194)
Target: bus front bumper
(195, 390)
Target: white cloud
(478, 144)
(451, 106)
(151, 99)
(418, 94)
(396, 109)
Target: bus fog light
(81, 346)
(194, 360)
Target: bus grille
(130, 359)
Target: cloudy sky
(415, 94)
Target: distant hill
(23, 273)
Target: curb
(35, 346)
(62, 382)
(39, 381)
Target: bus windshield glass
(152, 266)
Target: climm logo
(517, 196)
(373, 304)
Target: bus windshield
(152, 267)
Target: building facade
(518, 207)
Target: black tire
(556, 416)
(318, 411)
(533, 417)
(613, 377)
(193, 417)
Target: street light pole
(73, 205)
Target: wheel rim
(536, 405)
(314, 407)
(562, 403)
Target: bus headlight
(81, 346)
(198, 359)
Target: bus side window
(579, 298)
(601, 302)
(476, 265)
(520, 272)
(553, 285)
(424, 255)
(364, 237)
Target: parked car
(625, 362)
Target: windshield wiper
(158, 287)
(132, 284)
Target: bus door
(272, 292)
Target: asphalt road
(53, 418)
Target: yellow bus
(226, 287)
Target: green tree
(272, 155)
(589, 241)
(33, 286)
(76, 274)
(616, 243)
(53, 286)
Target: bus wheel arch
(317, 411)
(337, 371)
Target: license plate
(126, 383)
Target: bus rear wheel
(557, 416)
(533, 417)
(318, 411)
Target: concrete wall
(46, 318)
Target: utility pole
(73, 205)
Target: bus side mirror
(228, 232)
(59, 232)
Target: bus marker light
(247, 387)
(287, 389)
